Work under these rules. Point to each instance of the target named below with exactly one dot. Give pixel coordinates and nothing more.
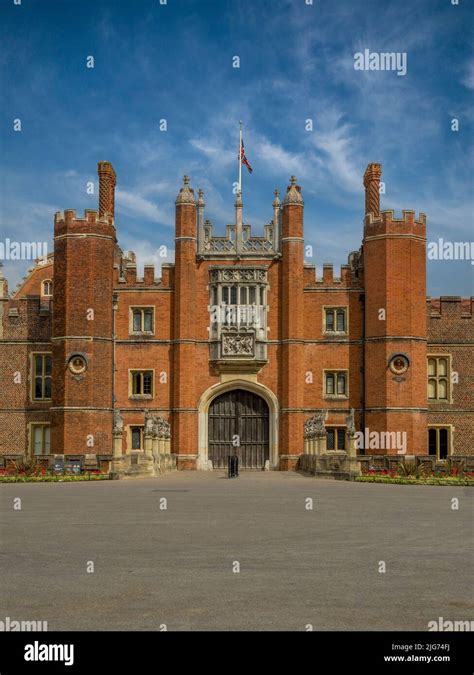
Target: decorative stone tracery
(239, 274)
(238, 239)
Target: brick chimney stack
(372, 189)
(107, 182)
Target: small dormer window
(47, 287)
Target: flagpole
(240, 158)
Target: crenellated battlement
(91, 216)
(387, 217)
(328, 279)
(67, 222)
(102, 217)
(128, 278)
(451, 306)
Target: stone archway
(238, 423)
(270, 402)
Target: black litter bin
(233, 466)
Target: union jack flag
(243, 158)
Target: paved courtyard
(176, 566)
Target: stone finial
(276, 201)
(118, 422)
(293, 193)
(3, 283)
(238, 199)
(350, 422)
(149, 421)
(372, 177)
(186, 194)
(200, 201)
(107, 182)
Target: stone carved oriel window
(238, 301)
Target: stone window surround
(335, 372)
(450, 428)
(129, 429)
(335, 427)
(449, 359)
(30, 436)
(147, 397)
(130, 321)
(44, 286)
(346, 320)
(33, 399)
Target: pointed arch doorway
(239, 416)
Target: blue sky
(174, 62)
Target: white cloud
(25, 222)
(157, 188)
(338, 146)
(278, 160)
(221, 156)
(132, 203)
(468, 79)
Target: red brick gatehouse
(238, 339)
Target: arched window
(47, 287)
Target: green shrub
(408, 468)
(404, 480)
(52, 479)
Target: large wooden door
(242, 414)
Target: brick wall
(451, 332)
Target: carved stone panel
(238, 344)
(314, 426)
